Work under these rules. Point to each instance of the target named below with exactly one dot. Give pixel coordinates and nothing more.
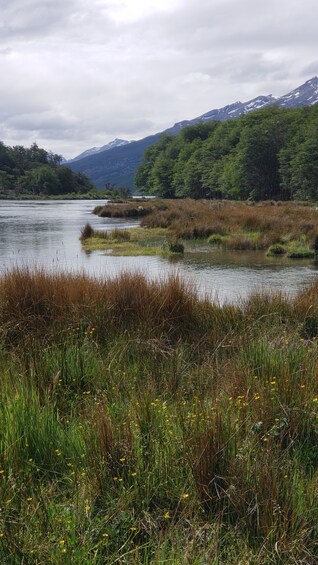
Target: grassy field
(140, 424)
(278, 228)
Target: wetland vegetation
(277, 228)
(141, 424)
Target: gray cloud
(75, 74)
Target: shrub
(276, 249)
(215, 239)
(176, 246)
(87, 232)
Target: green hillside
(117, 166)
(31, 172)
(268, 154)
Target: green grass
(140, 241)
(140, 424)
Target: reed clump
(87, 232)
(142, 424)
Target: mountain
(304, 95)
(111, 145)
(228, 112)
(118, 164)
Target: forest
(268, 154)
(34, 172)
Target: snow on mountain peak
(93, 150)
(304, 95)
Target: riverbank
(141, 424)
(278, 228)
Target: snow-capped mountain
(226, 113)
(119, 165)
(304, 95)
(111, 145)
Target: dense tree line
(34, 171)
(267, 154)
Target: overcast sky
(78, 73)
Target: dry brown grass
(201, 218)
(261, 224)
(123, 209)
(40, 303)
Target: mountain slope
(94, 150)
(118, 164)
(115, 166)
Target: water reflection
(46, 234)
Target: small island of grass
(278, 228)
(136, 241)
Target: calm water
(46, 234)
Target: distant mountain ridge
(94, 150)
(118, 164)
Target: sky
(78, 73)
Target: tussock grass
(239, 225)
(125, 209)
(141, 424)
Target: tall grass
(291, 226)
(140, 424)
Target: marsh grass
(126, 209)
(141, 424)
(135, 241)
(234, 225)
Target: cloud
(75, 74)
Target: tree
(304, 166)
(271, 153)
(146, 181)
(41, 180)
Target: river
(46, 234)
